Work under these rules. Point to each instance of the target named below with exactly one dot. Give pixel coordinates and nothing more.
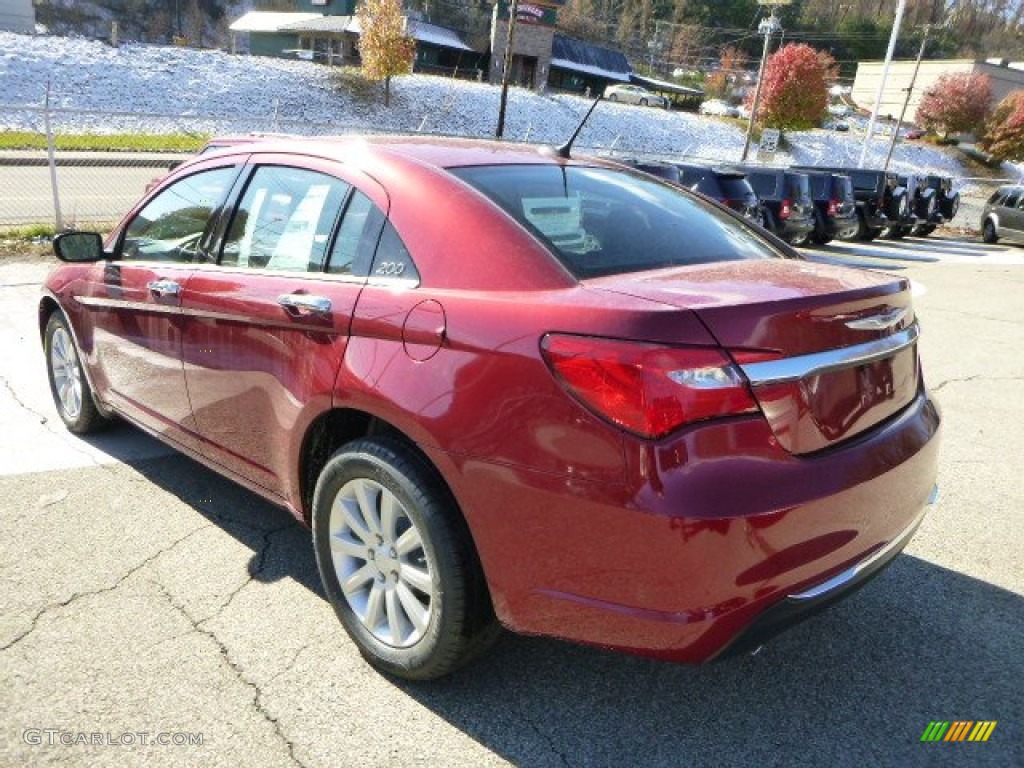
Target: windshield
(601, 221)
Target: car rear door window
(284, 220)
(171, 226)
(357, 237)
(1012, 198)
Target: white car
(718, 107)
(634, 94)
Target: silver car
(634, 94)
(1003, 217)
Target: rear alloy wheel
(613, 97)
(989, 233)
(643, 102)
(70, 389)
(397, 561)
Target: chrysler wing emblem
(878, 322)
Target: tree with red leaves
(1004, 131)
(956, 103)
(794, 92)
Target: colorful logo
(959, 730)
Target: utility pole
(513, 10)
(906, 101)
(881, 82)
(767, 27)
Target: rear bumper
(792, 228)
(802, 605)
(840, 225)
(711, 529)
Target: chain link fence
(94, 189)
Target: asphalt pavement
(147, 600)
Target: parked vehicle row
(816, 204)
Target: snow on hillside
(179, 89)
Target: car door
(267, 326)
(1015, 216)
(133, 302)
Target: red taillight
(648, 389)
(833, 207)
(786, 209)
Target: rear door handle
(304, 304)
(164, 287)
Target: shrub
(956, 103)
(794, 92)
(1004, 130)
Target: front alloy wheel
(70, 389)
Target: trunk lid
(829, 351)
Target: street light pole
(767, 27)
(906, 101)
(900, 8)
(513, 10)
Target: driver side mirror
(78, 247)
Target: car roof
(433, 151)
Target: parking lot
(146, 595)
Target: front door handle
(304, 304)
(164, 287)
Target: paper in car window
(555, 217)
(296, 244)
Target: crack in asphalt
(257, 691)
(518, 712)
(103, 590)
(975, 315)
(21, 403)
(254, 571)
(975, 377)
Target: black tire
(643, 102)
(820, 234)
(860, 233)
(613, 97)
(949, 204)
(459, 622)
(72, 395)
(872, 233)
(989, 233)
(922, 230)
(769, 222)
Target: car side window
(1011, 199)
(170, 227)
(392, 258)
(357, 237)
(285, 219)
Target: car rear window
(735, 187)
(798, 185)
(819, 186)
(765, 184)
(601, 221)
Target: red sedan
(505, 387)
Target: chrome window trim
(795, 368)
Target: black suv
(835, 208)
(727, 186)
(881, 200)
(786, 198)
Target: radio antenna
(565, 149)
